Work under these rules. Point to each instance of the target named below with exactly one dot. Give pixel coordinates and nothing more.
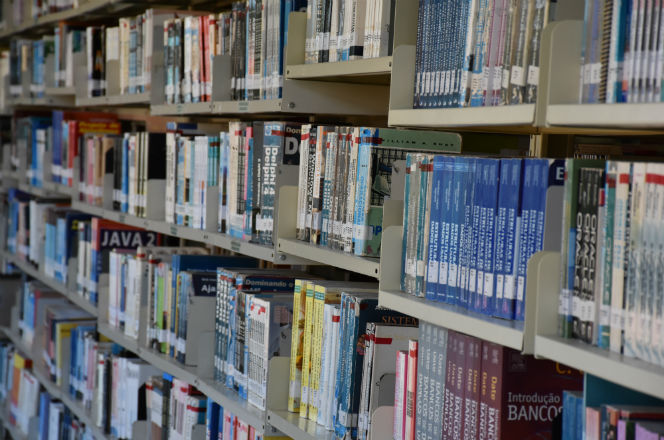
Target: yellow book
(297, 346)
(326, 292)
(322, 295)
(306, 353)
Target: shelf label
(235, 246)
(174, 231)
(243, 106)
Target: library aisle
(332, 219)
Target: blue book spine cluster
(486, 220)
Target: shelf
(296, 427)
(54, 390)
(198, 108)
(48, 101)
(13, 430)
(364, 265)
(500, 331)
(629, 372)
(223, 241)
(254, 107)
(48, 190)
(625, 115)
(364, 70)
(84, 8)
(117, 100)
(60, 91)
(508, 115)
(35, 273)
(226, 398)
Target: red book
(532, 394)
(411, 390)
(490, 391)
(458, 386)
(450, 379)
(472, 387)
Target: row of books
(470, 228)
(478, 53)
(190, 43)
(346, 174)
(47, 149)
(24, 10)
(28, 402)
(253, 321)
(615, 420)
(115, 388)
(58, 240)
(27, 59)
(452, 385)
(326, 371)
(621, 52)
(168, 280)
(610, 288)
(222, 424)
(348, 30)
(258, 36)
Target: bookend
(141, 429)
(33, 428)
(205, 367)
(210, 209)
(198, 432)
(155, 209)
(382, 422)
(221, 78)
(200, 321)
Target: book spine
(449, 174)
(434, 228)
(399, 394)
(476, 263)
(411, 387)
(526, 233)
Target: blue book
(491, 181)
(461, 167)
(570, 414)
(212, 420)
(476, 254)
(434, 225)
(361, 188)
(507, 230)
(339, 383)
(56, 143)
(67, 234)
(530, 195)
(180, 196)
(466, 232)
(446, 227)
(44, 402)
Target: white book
(55, 413)
(171, 166)
(400, 393)
(357, 27)
(383, 41)
(196, 58)
(620, 234)
(633, 276)
(334, 31)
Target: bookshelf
(368, 88)
(54, 390)
(13, 431)
(54, 284)
(632, 373)
(226, 398)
